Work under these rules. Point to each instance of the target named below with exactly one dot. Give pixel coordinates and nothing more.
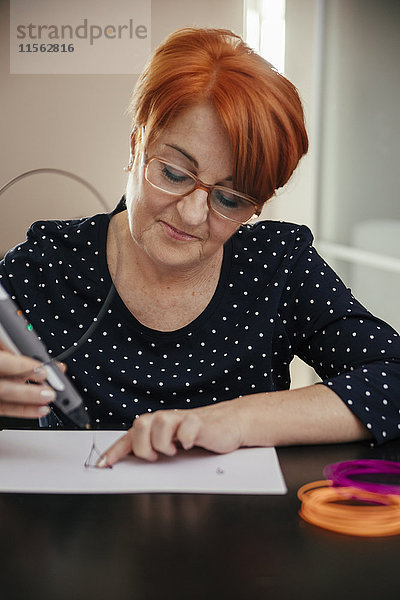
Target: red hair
(260, 109)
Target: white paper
(52, 461)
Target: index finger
(118, 450)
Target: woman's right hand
(18, 398)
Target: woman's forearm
(309, 415)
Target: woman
(210, 309)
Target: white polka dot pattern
(276, 298)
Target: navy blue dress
(276, 298)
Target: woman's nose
(193, 208)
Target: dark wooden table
(188, 546)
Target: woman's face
(174, 232)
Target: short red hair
(260, 109)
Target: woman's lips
(178, 234)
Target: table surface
(190, 546)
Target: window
(265, 29)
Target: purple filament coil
(359, 473)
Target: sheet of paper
(52, 461)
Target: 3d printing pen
(19, 337)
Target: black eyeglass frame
(203, 186)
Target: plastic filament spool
(350, 510)
(354, 472)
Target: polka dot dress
(275, 298)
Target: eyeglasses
(176, 181)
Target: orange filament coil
(349, 510)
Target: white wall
(77, 123)
(361, 114)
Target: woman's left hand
(216, 428)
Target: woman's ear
(132, 147)
(131, 151)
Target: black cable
(96, 320)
